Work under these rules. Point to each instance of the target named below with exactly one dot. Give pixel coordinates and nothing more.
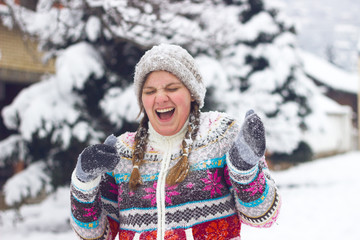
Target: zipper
(160, 190)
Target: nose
(161, 97)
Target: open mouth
(165, 114)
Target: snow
(213, 74)
(9, 146)
(332, 132)
(129, 109)
(56, 108)
(319, 201)
(262, 22)
(282, 132)
(327, 28)
(51, 107)
(48, 108)
(49, 103)
(41, 22)
(329, 74)
(27, 183)
(330, 106)
(48, 220)
(93, 28)
(38, 105)
(75, 65)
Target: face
(166, 101)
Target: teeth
(164, 110)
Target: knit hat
(173, 59)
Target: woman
(183, 174)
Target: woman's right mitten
(97, 159)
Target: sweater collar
(157, 140)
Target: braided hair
(180, 170)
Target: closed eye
(149, 92)
(172, 89)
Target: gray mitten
(97, 159)
(250, 144)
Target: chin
(167, 131)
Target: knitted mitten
(249, 145)
(97, 159)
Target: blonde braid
(141, 139)
(180, 170)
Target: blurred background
(66, 70)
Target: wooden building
(341, 88)
(20, 65)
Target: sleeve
(94, 208)
(256, 196)
(257, 199)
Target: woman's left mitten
(250, 143)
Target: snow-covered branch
(27, 184)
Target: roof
(329, 74)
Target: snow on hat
(173, 59)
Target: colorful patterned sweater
(211, 203)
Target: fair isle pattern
(101, 232)
(193, 213)
(125, 177)
(267, 219)
(214, 197)
(207, 164)
(139, 220)
(87, 225)
(111, 209)
(257, 201)
(86, 196)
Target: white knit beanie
(173, 59)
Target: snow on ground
(320, 201)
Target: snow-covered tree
(245, 49)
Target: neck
(157, 139)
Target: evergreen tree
(245, 50)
